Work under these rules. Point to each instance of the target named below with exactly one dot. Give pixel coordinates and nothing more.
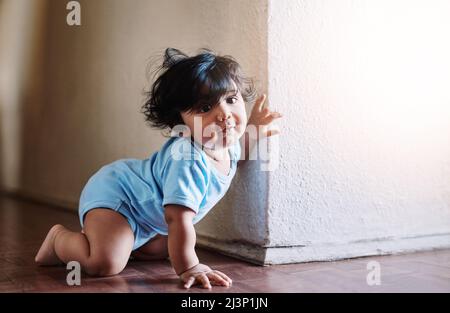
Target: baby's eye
(231, 100)
(205, 108)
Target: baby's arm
(182, 237)
(181, 244)
(259, 125)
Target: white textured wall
(365, 150)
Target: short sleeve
(184, 182)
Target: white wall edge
(325, 252)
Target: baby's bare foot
(46, 254)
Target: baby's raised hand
(204, 275)
(262, 117)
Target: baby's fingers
(259, 103)
(217, 279)
(189, 282)
(200, 278)
(204, 280)
(276, 114)
(228, 279)
(271, 117)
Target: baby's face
(219, 126)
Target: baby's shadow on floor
(158, 274)
(164, 284)
(137, 283)
(138, 276)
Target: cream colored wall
(84, 111)
(20, 59)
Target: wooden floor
(25, 224)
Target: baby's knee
(105, 266)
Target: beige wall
(20, 60)
(75, 106)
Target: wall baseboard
(325, 252)
(66, 205)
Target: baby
(147, 209)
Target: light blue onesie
(179, 173)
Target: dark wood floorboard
(24, 224)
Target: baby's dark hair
(185, 84)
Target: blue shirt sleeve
(184, 182)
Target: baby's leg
(103, 249)
(155, 249)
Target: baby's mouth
(228, 127)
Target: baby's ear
(173, 56)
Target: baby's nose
(223, 115)
(221, 118)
